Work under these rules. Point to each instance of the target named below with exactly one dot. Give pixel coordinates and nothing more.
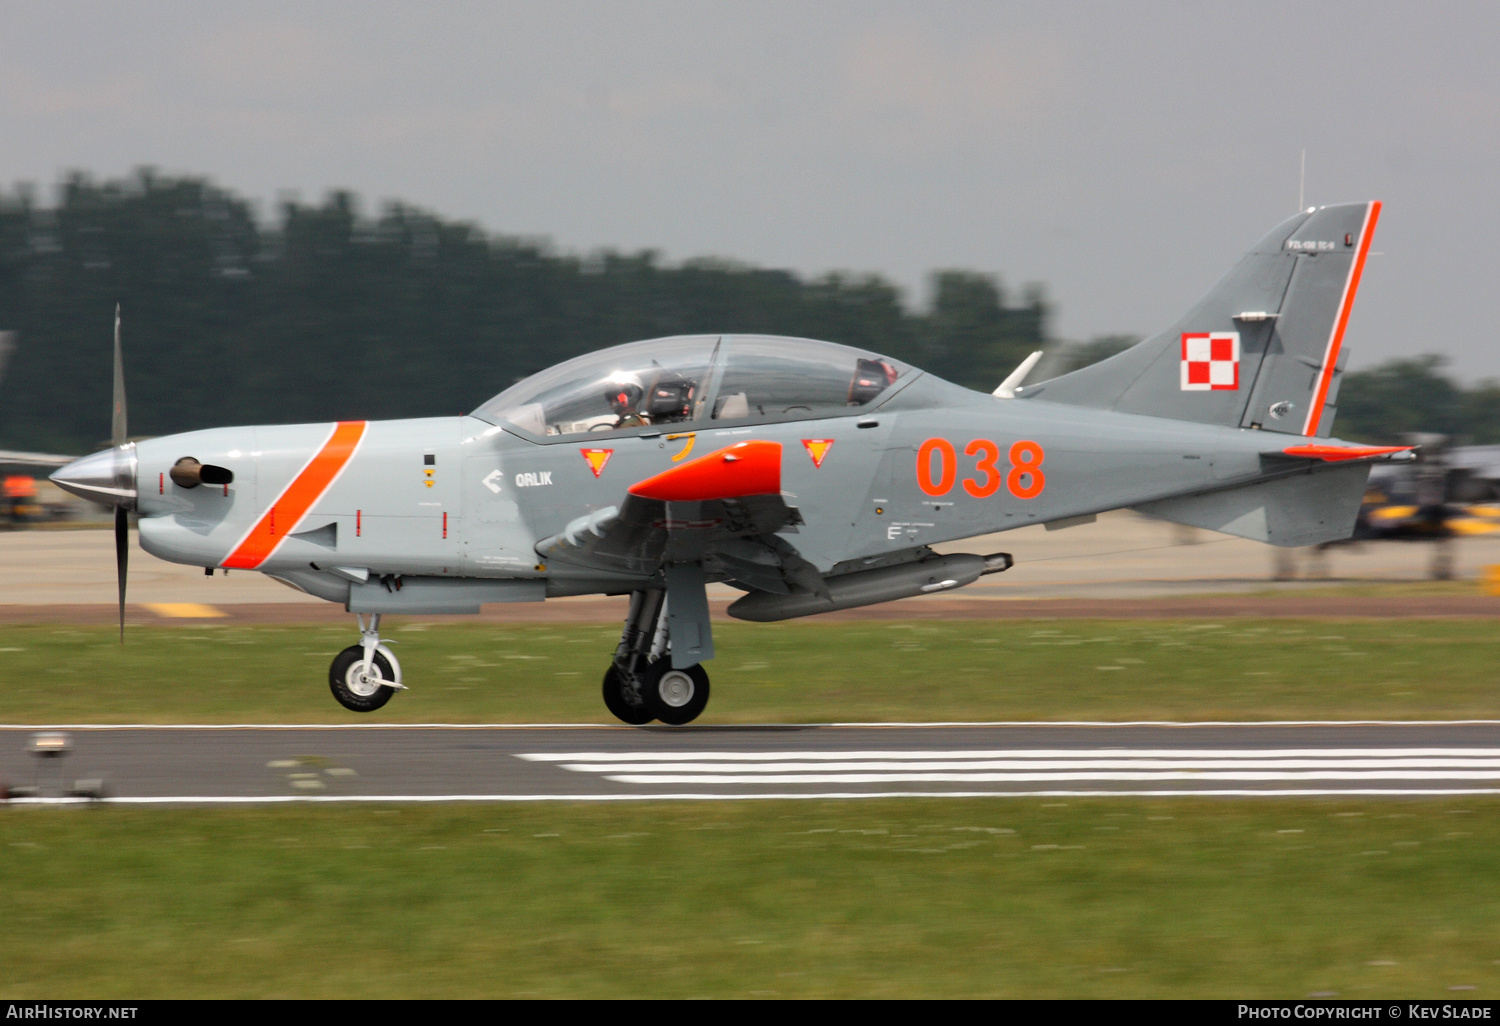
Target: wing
(722, 510)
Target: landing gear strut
(642, 685)
(363, 677)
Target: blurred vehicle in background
(27, 502)
(18, 499)
(1448, 492)
(22, 500)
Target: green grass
(1003, 898)
(962, 670)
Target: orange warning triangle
(818, 448)
(597, 459)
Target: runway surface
(247, 764)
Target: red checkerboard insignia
(1210, 361)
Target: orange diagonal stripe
(293, 504)
(1341, 321)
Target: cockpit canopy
(698, 379)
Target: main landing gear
(642, 685)
(363, 677)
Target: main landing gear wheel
(675, 696)
(358, 691)
(617, 698)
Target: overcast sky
(1124, 154)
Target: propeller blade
(122, 559)
(117, 433)
(119, 436)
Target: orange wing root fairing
(745, 468)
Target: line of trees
(1410, 395)
(326, 313)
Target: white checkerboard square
(1210, 361)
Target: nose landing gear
(363, 677)
(642, 685)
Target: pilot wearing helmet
(624, 393)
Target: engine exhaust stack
(189, 473)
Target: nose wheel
(363, 677)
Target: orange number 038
(1026, 462)
(947, 464)
(1025, 479)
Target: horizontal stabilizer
(1344, 453)
(1309, 508)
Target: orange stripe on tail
(1336, 340)
(283, 516)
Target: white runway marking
(1017, 753)
(1024, 778)
(1281, 765)
(282, 799)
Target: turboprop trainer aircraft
(811, 476)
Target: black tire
(616, 702)
(340, 681)
(675, 696)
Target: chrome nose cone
(106, 477)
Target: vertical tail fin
(1263, 349)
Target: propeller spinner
(108, 477)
